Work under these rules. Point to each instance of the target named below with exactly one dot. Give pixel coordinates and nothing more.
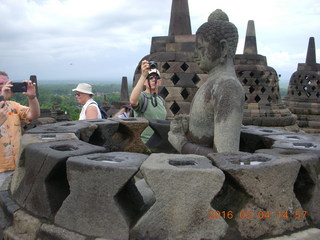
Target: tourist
(148, 104)
(216, 112)
(10, 130)
(90, 109)
(124, 112)
(3, 111)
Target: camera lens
(153, 64)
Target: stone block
(307, 184)
(127, 138)
(158, 143)
(35, 138)
(102, 136)
(52, 232)
(24, 227)
(254, 137)
(82, 129)
(258, 194)
(103, 199)
(183, 186)
(44, 185)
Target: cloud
(106, 41)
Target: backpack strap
(144, 102)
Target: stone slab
(103, 199)
(265, 200)
(44, 185)
(183, 186)
(82, 129)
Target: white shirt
(84, 109)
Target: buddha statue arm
(228, 118)
(177, 137)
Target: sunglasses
(156, 77)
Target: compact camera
(19, 87)
(153, 64)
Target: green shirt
(152, 112)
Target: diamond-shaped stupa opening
(251, 89)
(196, 79)
(185, 94)
(174, 108)
(184, 66)
(175, 79)
(257, 98)
(164, 93)
(165, 67)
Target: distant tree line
(52, 94)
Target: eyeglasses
(77, 94)
(156, 77)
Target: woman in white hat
(90, 109)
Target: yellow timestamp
(257, 215)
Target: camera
(19, 87)
(153, 64)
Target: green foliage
(51, 94)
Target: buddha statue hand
(178, 128)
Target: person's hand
(31, 89)
(145, 68)
(3, 112)
(178, 129)
(6, 90)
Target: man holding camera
(10, 130)
(155, 108)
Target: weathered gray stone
(308, 234)
(52, 232)
(45, 186)
(183, 186)
(127, 138)
(106, 180)
(307, 185)
(254, 137)
(303, 145)
(158, 143)
(259, 192)
(102, 136)
(82, 129)
(7, 207)
(35, 138)
(24, 226)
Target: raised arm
(34, 106)
(135, 94)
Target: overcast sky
(91, 40)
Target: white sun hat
(154, 70)
(83, 88)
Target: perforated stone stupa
(181, 76)
(303, 97)
(263, 106)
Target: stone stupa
(303, 97)
(263, 104)
(181, 76)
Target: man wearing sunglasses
(155, 108)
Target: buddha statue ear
(224, 51)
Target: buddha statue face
(207, 53)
